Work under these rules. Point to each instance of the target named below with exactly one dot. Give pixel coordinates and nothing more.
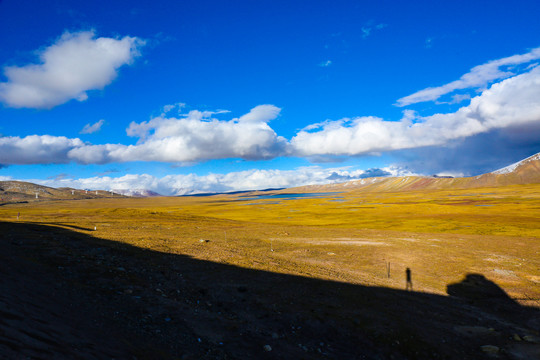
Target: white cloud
(200, 136)
(511, 102)
(195, 137)
(478, 77)
(92, 128)
(234, 181)
(365, 31)
(326, 63)
(456, 99)
(260, 114)
(168, 108)
(369, 27)
(36, 149)
(475, 155)
(76, 63)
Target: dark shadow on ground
(56, 225)
(68, 295)
(481, 292)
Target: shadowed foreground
(67, 295)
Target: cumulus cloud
(34, 149)
(74, 64)
(200, 135)
(511, 102)
(478, 77)
(234, 181)
(196, 137)
(475, 155)
(373, 172)
(92, 128)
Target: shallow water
(288, 196)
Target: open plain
(236, 276)
(319, 180)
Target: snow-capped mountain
(530, 163)
(526, 171)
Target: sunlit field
(355, 237)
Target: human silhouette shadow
(408, 280)
(70, 295)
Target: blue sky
(180, 97)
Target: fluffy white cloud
(199, 135)
(478, 77)
(36, 149)
(195, 137)
(511, 102)
(234, 181)
(92, 128)
(76, 63)
(476, 154)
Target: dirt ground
(68, 295)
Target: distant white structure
(37, 196)
(72, 192)
(96, 192)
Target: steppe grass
(351, 237)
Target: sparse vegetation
(348, 237)
(441, 234)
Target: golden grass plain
(441, 235)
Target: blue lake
(288, 196)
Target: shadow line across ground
(69, 295)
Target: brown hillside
(15, 191)
(526, 171)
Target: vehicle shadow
(70, 295)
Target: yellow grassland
(441, 235)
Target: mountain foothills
(20, 191)
(526, 171)
(237, 276)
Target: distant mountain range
(526, 171)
